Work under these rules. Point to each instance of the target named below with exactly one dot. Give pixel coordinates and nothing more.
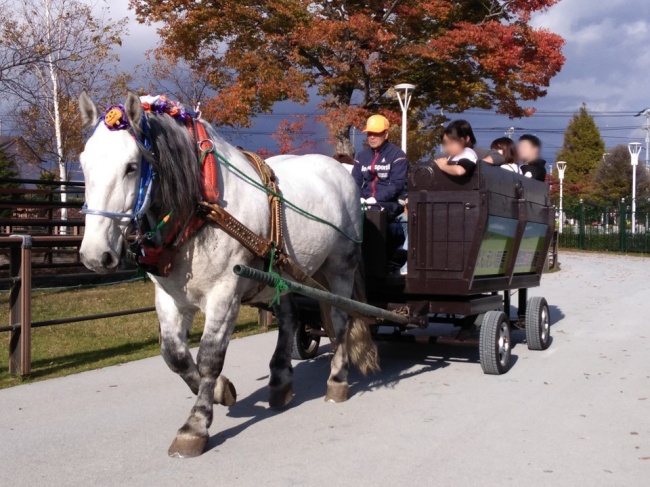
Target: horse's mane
(175, 162)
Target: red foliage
(460, 54)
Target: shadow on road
(556, 314)
(399, 361)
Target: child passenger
(458, 141)
(506, 147)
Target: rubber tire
(494, 327)
(304, 346)
(538, 324)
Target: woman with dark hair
(458, 140)
(507, 148)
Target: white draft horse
(202, 277)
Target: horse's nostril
(107, 260)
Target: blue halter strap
(147, 174)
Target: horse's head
(111, 164)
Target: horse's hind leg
(337, 383)
(174, 329)
(281, 382)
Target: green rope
(291, 205)
(280, 285)
(160, 224)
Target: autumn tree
(583, 149)
(77, 39)
(15, 51)
(460, 54)
(613, 177)
(181, 79)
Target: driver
(380, 169)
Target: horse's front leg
(175, 325)
(221, 314)
(281, 381)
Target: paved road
(577, 414)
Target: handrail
(41, 182)
(20, 295)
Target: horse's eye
(131, 168)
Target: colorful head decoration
(161, 104)
(115, 118)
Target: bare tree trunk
(63, 174)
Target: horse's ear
(88, 110)
(133, 108)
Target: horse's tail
(362, 350)
(361, 347)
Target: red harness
(161, 257)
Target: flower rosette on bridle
(115, 118)
(161, 105)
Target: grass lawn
(67, 349)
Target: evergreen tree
(583, 150)
(7, 170)
(7, 166)
(613, 178)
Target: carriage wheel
(495, 343)
(305, 345)
(538, 324)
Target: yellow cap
(377, 124)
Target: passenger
(506, 148)
(529, 150)
(458, 140)
(380, 170)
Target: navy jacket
(536, 168)
(381, 173)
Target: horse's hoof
(279, 397)
(225, 392)
(185, 446)
(337, 392)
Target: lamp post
(561, 167)
(404, 102)
(510, 132)
(635, 150)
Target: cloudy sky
(608, 63)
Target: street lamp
(404, 102)
(561, 167)
(635, 150)
(510, 132)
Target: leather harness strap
(259, 246)
(210, 188)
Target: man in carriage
(380, 169)
(380, 172)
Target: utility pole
(646, 127)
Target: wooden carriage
(473, 242)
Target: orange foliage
(460, 54)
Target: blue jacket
(381, 173)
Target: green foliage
(583, 149)
(613, 177)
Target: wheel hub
(503, 344)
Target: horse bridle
(147, 174)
